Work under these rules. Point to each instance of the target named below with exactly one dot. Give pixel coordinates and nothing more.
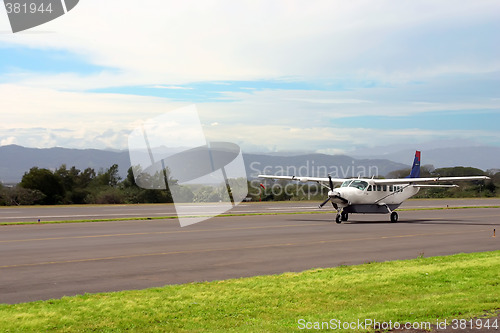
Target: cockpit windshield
(346, 183)
(359, 184)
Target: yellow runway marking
(237, 248)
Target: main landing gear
(344, 216)
(394, 217)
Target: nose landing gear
(341, 216)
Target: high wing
(417, 181)
(306, 179)
(413, 181)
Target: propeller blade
(324, 202)
(330, 181)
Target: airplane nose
(337, 197)
(334, 194)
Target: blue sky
(328, 76)
(19, 60)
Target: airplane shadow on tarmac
(412, 221)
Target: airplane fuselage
(375, 196)
(364, 196)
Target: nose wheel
(341, 216)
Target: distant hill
(318, 165)
(16, 160)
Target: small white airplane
(375, 196)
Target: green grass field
(419, 290)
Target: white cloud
(319, 108)
(282, 119)
(423, 56)
(8, 141)
(331, 139)
(176, 42)
(45, 117)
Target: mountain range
(16, 160)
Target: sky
(271, 76)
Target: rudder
(415, 169)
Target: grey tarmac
(47, 261)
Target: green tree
(46, 182)
(155, 188)
(18, 196)
(68, 177)
(425, 171)
(3, 200)
(129, 181)
(459, 172)
(85, 178)
(110, 177)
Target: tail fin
(415, 169)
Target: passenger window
(384, 188)
(369, 188)
(379, 188)
(391, 189)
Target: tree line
(65, 185)
(466, 189)
(73, 186)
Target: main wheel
(394, 217)
(338, 218)
(344, 216)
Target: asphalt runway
(94, 212)
(47, 261)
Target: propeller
(331, 189)
(324, 203)
(331, 182)
(334, 196)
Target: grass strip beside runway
(418, 290)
